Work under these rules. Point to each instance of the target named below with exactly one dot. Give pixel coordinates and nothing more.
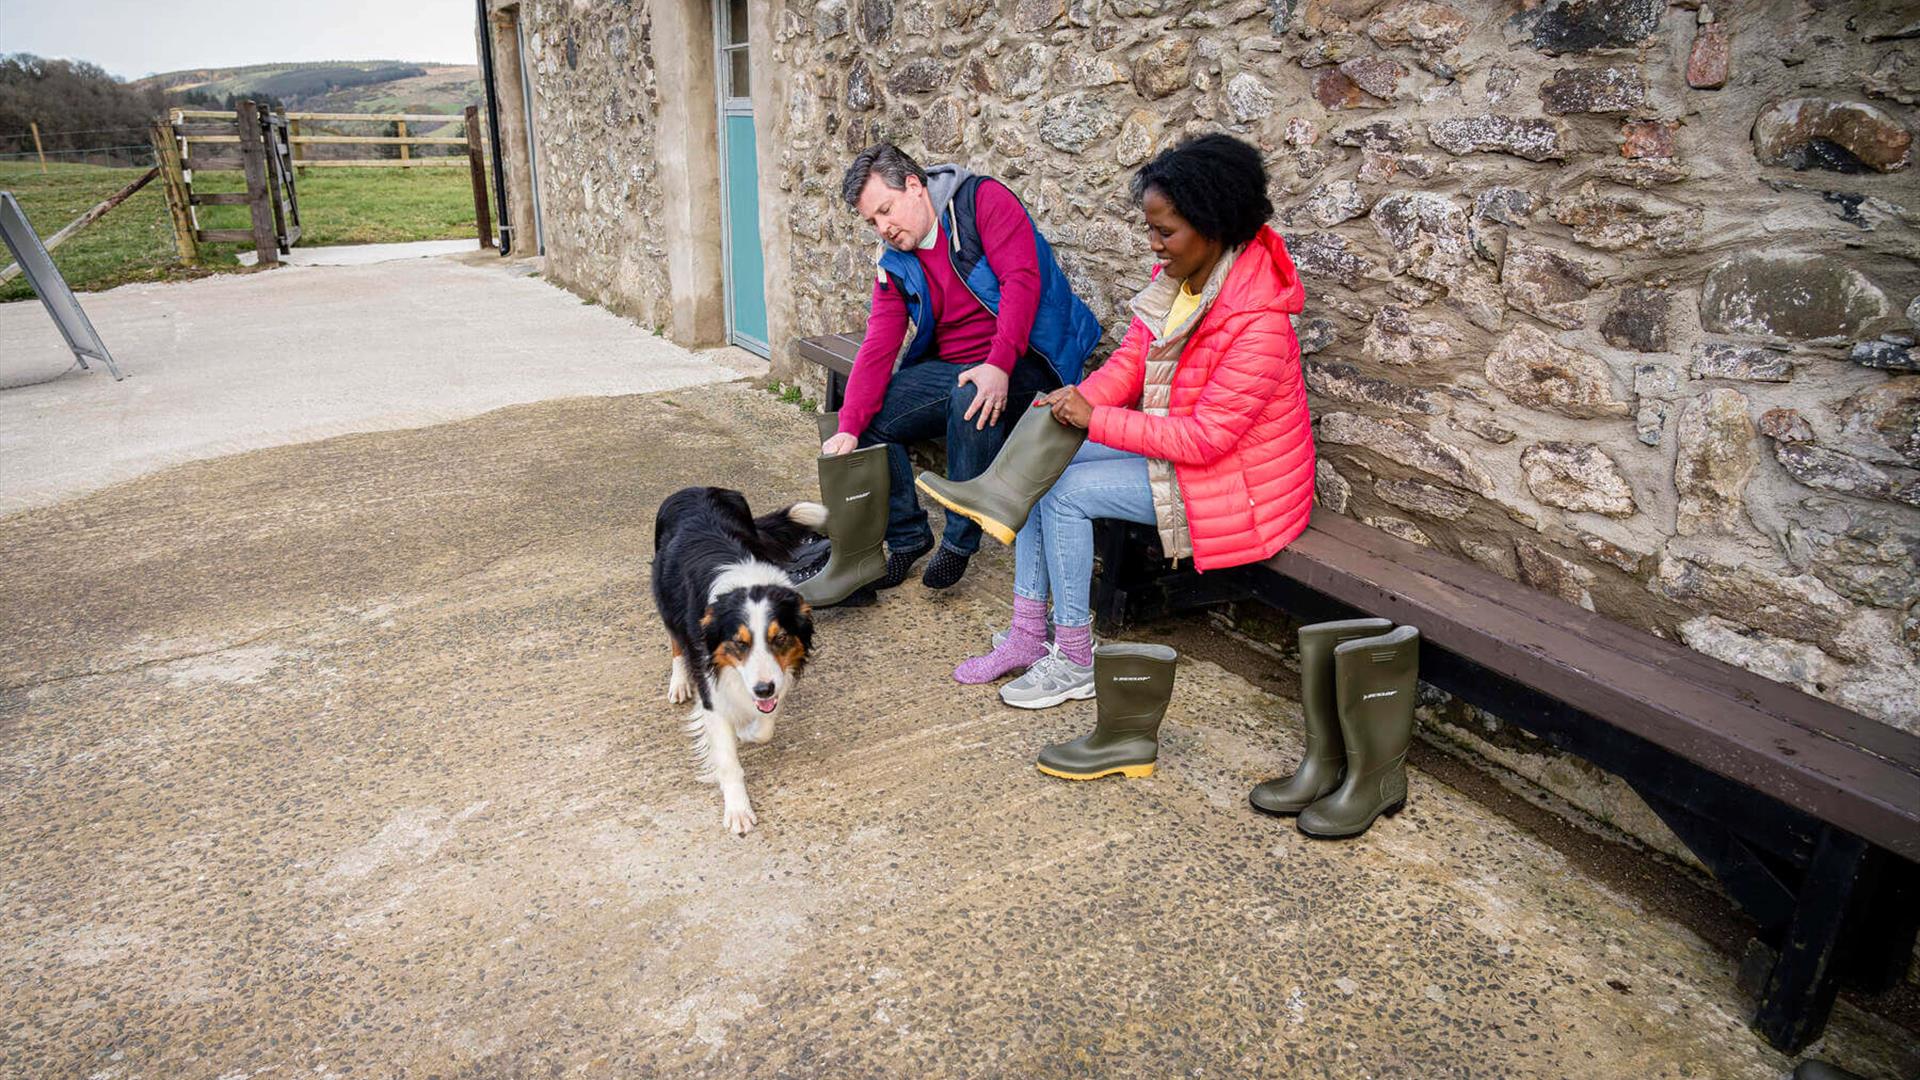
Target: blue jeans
(1053, 553)
(925, 402)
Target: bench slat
(835, 352)
(1534, 640)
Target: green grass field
(134, 241)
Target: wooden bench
(1808, 814)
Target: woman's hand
(1069, 407)
(839, 444)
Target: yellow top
(1184, 305)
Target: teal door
(746, 282)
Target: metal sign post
(51, 287)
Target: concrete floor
(351, 758)
(240, 362)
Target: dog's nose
(763, 690)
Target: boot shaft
(1036, 452)
(853, 488)
(1132, 685)
(1376, 684)
(1317, 644)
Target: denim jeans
(1053, 553)
(924, 401)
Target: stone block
(1578, 477)
(1716, 457)
(1546, 284)
(1334, 90)
(1532, 138)
(1376, 75)
(1418, 497)
(1330, 204)
(1642, 139)
(1748, 363)
(1710, 61)
(1593, 90)
(1615, 222)
(1639, 320)
(1407, 445)
(1788, 295)
(1536, 371)
(1554, 575)
(1248, 98)
(1344, 382)
(1163, 68)
(1842, 136)
(1426, 234)
(1578, 26)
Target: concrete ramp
(239, 362)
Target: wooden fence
(268, 148)
(300, 140)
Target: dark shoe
(1036, 452)
(853, 487)
(1375, 683)
(944, 570)
(1132, 685)
(1325, 756)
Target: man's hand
(840, 444)
(990, 394)
(1068, 406)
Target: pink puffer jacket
(1236, 427)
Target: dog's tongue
(768, 705)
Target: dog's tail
(789, 527)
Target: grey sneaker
(1052, 680)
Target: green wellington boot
(1036, 452)
(1132, 684)
(853, 487)
(1374, 687)
(1325, 756)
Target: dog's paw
(740, 818)
(680, 687)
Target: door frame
(728, 106)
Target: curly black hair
(1216, 182)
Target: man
(994, 322)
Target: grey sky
(131, 38)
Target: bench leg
(1799, 991)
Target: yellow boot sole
(992, 528)
(1132, 772)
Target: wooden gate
(194, 143)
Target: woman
(1197, 424)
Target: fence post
(166, 155)
(253, 159)
(293, 140)
(35, 125)
(477, 168)
(400, 129)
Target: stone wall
(596, 104)
(1616, 297)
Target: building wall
(1613, 297)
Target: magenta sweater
(964, 331)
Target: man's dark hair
(889, 161)
(1216, 182)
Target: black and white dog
(740, 633)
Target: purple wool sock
(1026, 642)
(1075, 643)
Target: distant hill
(377, 86)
